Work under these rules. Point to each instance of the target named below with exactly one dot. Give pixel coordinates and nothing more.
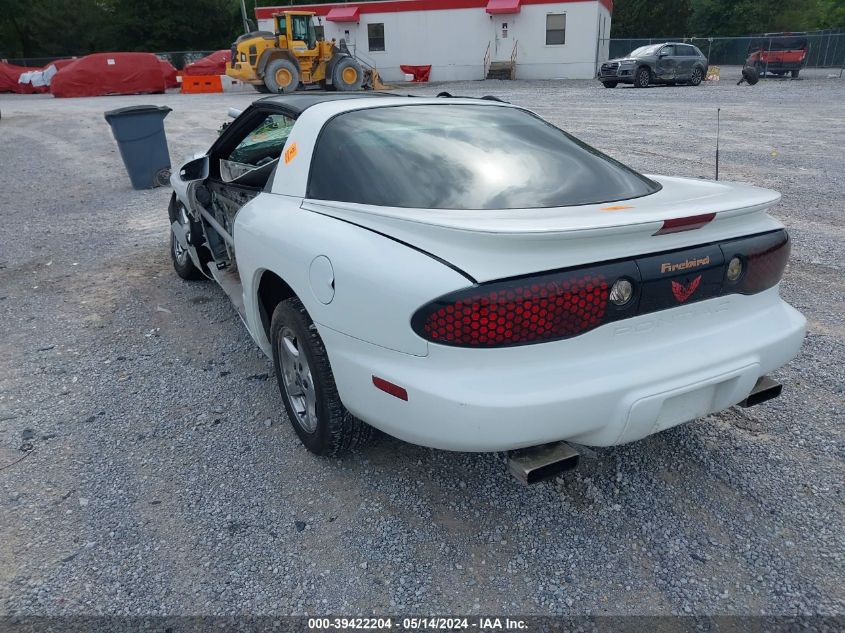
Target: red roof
(502, 6)
(343, 14)
(397, 6)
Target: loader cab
(296, 31)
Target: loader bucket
(373, 81)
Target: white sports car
(461, 274)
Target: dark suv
(668, 63)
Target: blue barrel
(139, 132)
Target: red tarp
(420, 73)
(109, 74)
(9, 75)
(502, 6)
(214, 64)
(170, 73)
(342, 14)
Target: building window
(375, 36)
(555, 29)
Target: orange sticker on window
(290, 153)
(616, 207)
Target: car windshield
(644, 51)
(455, 156)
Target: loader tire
(281, 75)
(348, 75)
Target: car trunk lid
(488, 245)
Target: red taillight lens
(514, 312)
(764, 256)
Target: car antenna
(718, 111)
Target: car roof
(298, 102)
(318, 108)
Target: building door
(349, 36)
(501, 47)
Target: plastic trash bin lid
(138, 109)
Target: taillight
(764, 259)
(565, 303)
(526, 310)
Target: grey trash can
(139, 132)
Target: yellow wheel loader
(281, 61)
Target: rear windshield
(462, 157)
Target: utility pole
(243, 15)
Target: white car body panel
(371, 307)
(617, 383)
(496, 244)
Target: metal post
(767, 56)
(243, 16)
(718, 129)
(826, 49)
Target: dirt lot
(159, 475)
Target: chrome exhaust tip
(538, 463)
(765, 389)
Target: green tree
(650, 18)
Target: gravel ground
(159, 475)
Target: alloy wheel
(297, 380)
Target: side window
(375, 36)
(252, 161)
(555, 29)
(669, 49)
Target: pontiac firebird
(462, 274)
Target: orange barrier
(197, 84)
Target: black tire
(696, 77)
(643, 78)
(795, 73)
(335, 431)
(749, 74)
(182, 262)
(261, 88)
(609, 84)
(281, 75)
(162, 177)
(342, 75)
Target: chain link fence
(825, 49)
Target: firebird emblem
(682, 292)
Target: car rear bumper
(616, 384)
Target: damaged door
(241, 164)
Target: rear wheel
(307, 384)
(643, 78)
(347, 75)
(281, 75)
(696, 77)
(609, 84)
(795, 73)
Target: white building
(461, 39)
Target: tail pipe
(538, 463)
(765, 389)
